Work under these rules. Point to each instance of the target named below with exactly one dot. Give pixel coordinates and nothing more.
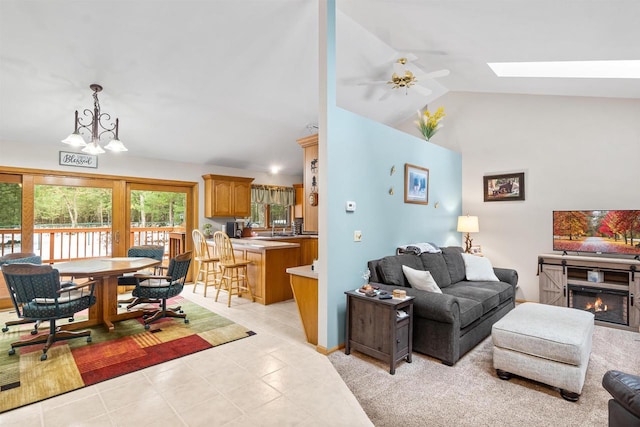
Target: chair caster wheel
(147, 327)
(34, 332)
(12, 352)
(43, 357)
(89, 339)
(5, 329)
(186, 320)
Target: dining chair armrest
(150, 276)
(76, 286)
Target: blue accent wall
(360, 155)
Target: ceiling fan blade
(424, 91)
(371, 82)
(384, 96)
(434, 74)
(410, 56)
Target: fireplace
(608, 305)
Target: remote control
(385, 296)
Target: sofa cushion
(488, 298)
(455, 264)
(478, 268)
(470, 311)
(390, 268)
(504, 290)
(421, 279)
(435, 264)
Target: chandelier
(98, 124)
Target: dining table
(105, 271)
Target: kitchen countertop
(297, 236)
(304, 271)
(258, 244)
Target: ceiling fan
(409, 76)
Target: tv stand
(561, 277)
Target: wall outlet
(357, 236)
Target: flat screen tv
(601, 232)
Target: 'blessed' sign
(78, 160)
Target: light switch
(357, 236)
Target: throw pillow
(421, 279)
(478, 269)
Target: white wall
(576, 152)
(126, 164)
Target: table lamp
(468, 224)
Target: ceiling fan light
(93, 148)
(115, 145)
(75, 140)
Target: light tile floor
(274, 378)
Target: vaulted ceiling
(235, 83)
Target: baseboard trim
(323, 350)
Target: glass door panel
(72, 221)
(11, 214)
(155, 213)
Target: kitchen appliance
(233, 229)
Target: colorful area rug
(74, 364)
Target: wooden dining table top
(96, 267)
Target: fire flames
(597, 305)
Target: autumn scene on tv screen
(597, 231)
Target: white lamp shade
(93, 148)
(75, 140)
(115, 145)
(468, 224)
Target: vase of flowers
(429, 123)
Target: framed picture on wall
(502, 188)
(416, 184)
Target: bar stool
(233, 272)
(206, 261)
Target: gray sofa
(447, 325)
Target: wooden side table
(374, 328)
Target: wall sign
(78, 160)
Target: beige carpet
(428, 393)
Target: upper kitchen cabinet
(227, 196)
(310, 202)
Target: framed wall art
(502, 188)
(416, 184)
(78, 160)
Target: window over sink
(271, 206)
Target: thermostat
(350, 206)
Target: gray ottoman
(544, 343)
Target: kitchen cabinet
(308, 248)
(299, 200)
(227, 196)
(310, 183)
(304, 283)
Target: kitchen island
(304, 283)
(267, 272)
(308, 244)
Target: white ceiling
(234, 83)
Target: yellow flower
(428, 123)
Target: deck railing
(63, 244)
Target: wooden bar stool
(206, 262)
(233, 272)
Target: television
(601, 232)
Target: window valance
(273, 195)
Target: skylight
(569, 69)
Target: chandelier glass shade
(98, 124)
